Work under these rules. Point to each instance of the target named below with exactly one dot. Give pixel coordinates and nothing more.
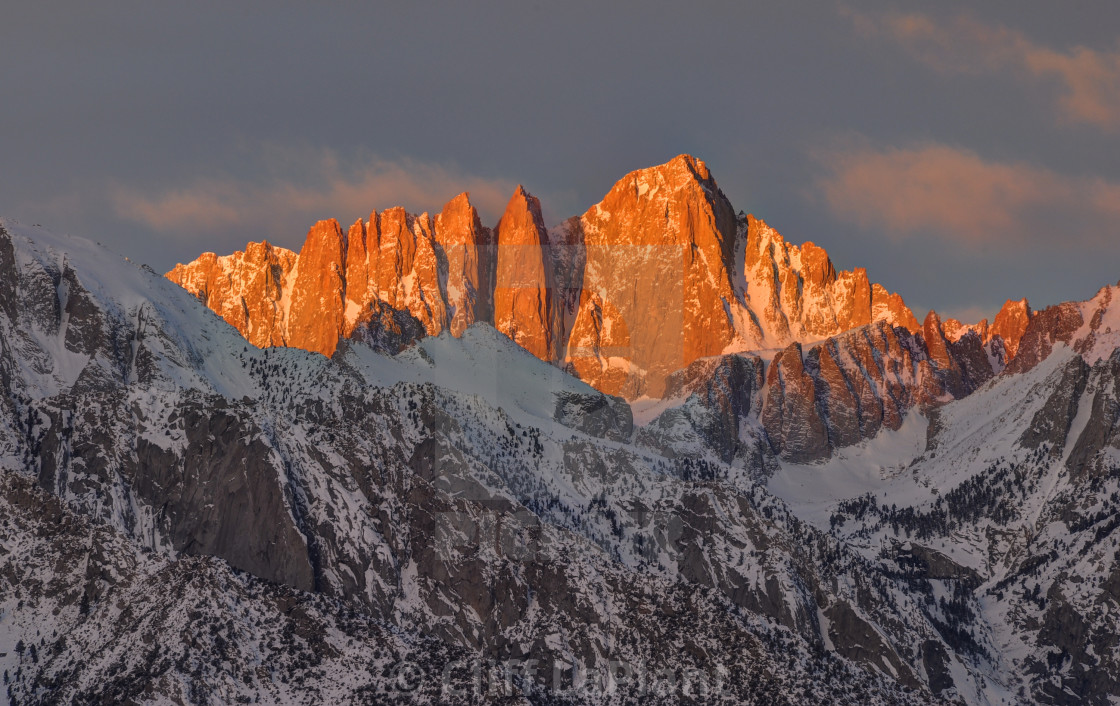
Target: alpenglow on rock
(660, 273)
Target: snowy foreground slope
(185, 518)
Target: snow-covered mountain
(876, 513)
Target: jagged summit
(1010, 325)
(524, 304)
(660, 273)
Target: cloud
(1088, 80)
(953, 193)
(301, 186)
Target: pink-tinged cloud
(952, 193)
(1088, 80)
(322, 187)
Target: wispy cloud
(1088, 80)
(955, 194)
(300, 186)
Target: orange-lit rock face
(797, 294)
(245, 288)
(889, 307)
(659, 274)
(402, 268)
(469, 250)
(599, 348)
(440, 271)
(936, 343)
(316, 309)
(524, 308)
(657, 283)
(1010, 324)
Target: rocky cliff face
(797, 294)
(471, 258)
(657, 290)
(525, 302)
(247, 289)
(816, 400)
(660, 273)
(438, 271)
(1010, 324)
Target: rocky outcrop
(524, 305)
(406, 269)
(246, 289)
(471, 258)
(730, 390)
(954, 330)
(1010, 324)
(1051, 424)
(1054, 324)
(1000, 340)
(596, 415)
(833, 394)
(317, 305)
(1093, 450)
(889, 307)
(223, 497)
(385, 329)
(790, 413)
(657, 289)
(796, 292)
(439, 271)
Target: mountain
(660, 273)
(892, 513)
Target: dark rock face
(790, 413)
(935, 660)
(859, 641)
(1051, 325)
(851, 386)
(1051, 424)
(974, 361)
(729, 389)
(386, 329)
(224, 497)
(1075, 645)
(925, 563)
(148, 616)
(600, 416)
(839, 404)
(1102, 431)
(9, 275)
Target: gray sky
(964, 155)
